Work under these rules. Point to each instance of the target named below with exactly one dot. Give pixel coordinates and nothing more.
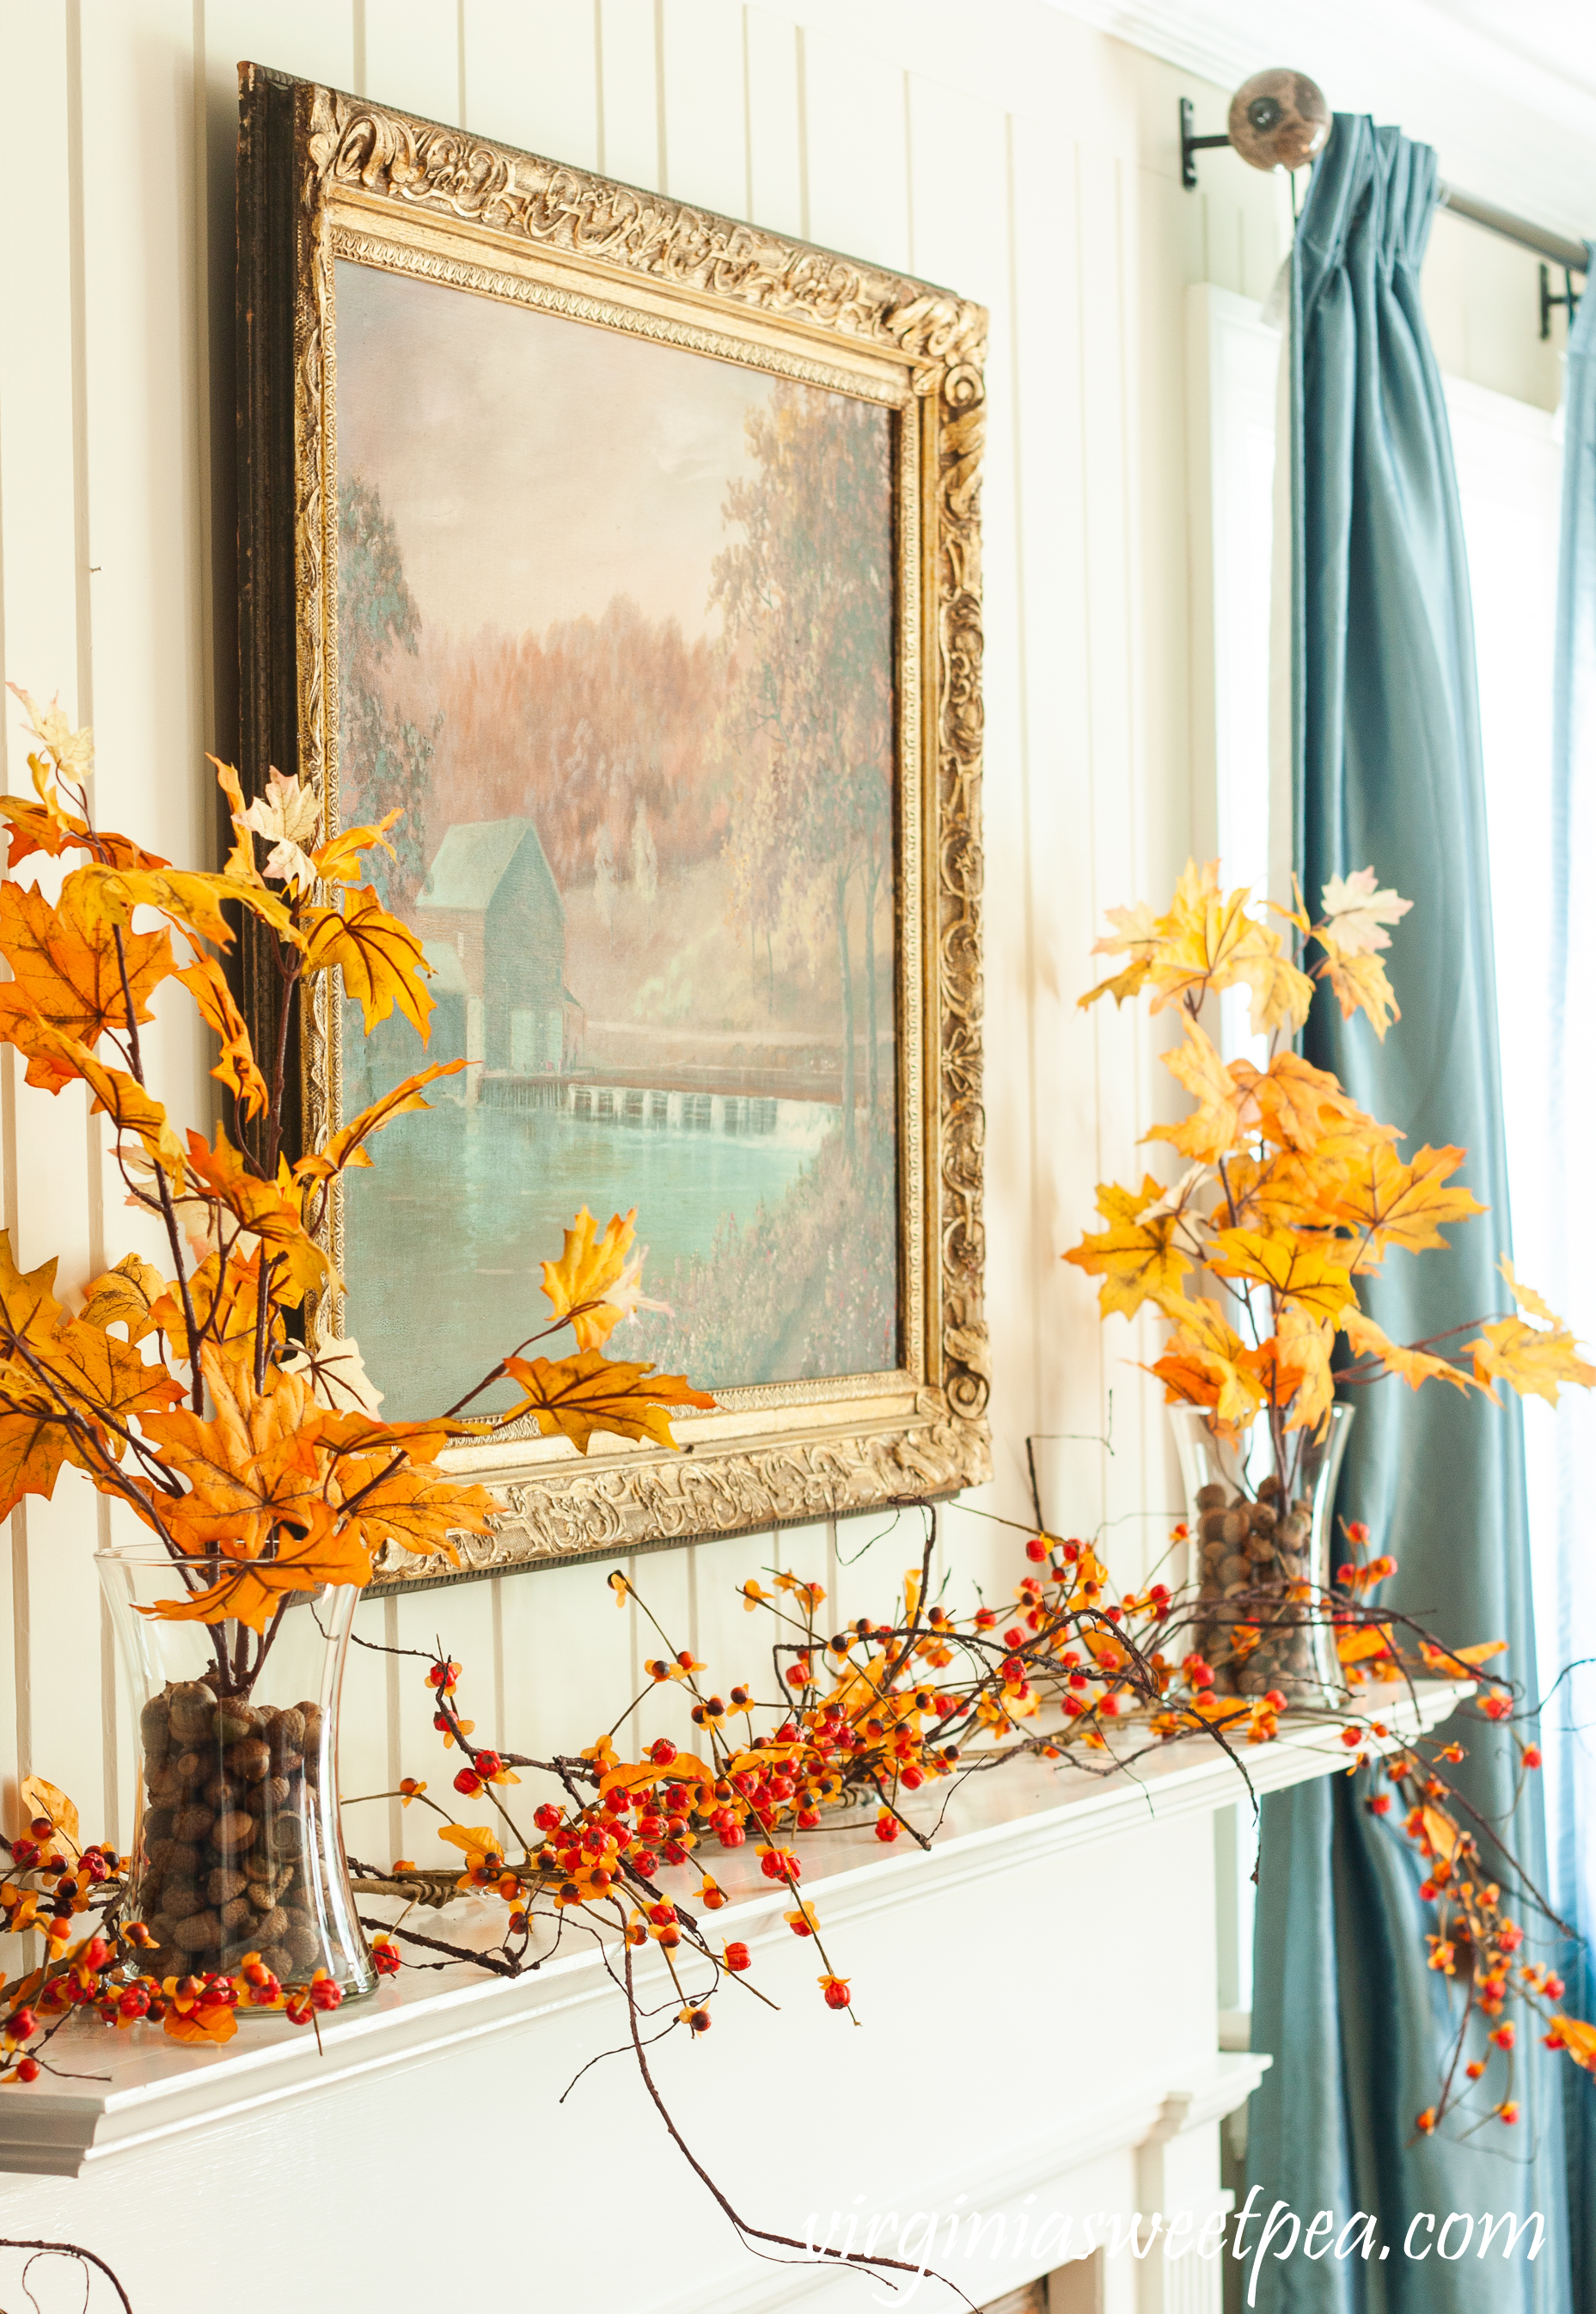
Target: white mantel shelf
(1019, 1813)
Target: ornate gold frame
(324, 175)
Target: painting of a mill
(641, 734)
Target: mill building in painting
(492, 920)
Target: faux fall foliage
(177, 1389)
(1291, 1192)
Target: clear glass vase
(1259, 1509)
(237, 1847)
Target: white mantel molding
(997, 1823)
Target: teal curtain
(1564, 1560)
(1388, 774)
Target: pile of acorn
(229, 1845)
(1254, 1553)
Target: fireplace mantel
(1036, 2009)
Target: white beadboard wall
(993, 145)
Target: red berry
(489, 1763)
(1532, 1755)
(468, 1781)
(886, 1829)
(662, 1752)
(732, 1835)
(548, 1818)
(738, 1956)
(384, 1959)
(324, 1993)
(22, 2025)
(837, 1995)
(1036, 1551)
(28, 2071)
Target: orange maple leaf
(237, 1068)
(65, 969)
(416, 1505)
(124, 1295)
(250, 1466)
(577, 1396)
(250, 1591)
(269, 1210)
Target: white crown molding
(1505, 127)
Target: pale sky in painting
(535, 467)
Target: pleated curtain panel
(1388, 773)
(1566, 1555)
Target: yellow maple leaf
(347, 1147)
(1359, 984)
(1528, 1300)
(338, 862)
(1137, 1260)
(1446, 1660)
(1353, 1645)
(577, 1396)
(1293, 1366)
(587, 1274)
(251, 1465)
(1296, 1267)
(1413, 1367)
(1532, 1360)
(1296, 1103)
(477, 1839)
(1388, 1203)
(382, 960)
(1215, 1125)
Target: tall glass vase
(238, 1847)
(1259, 1510)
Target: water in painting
(615, 627)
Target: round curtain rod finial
(1278, 120)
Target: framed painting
(633, 554)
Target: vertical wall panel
(775, 133)
(630, 107)
(412, 56)
(857, 158)
(531, 76)
(1048, 416)
(706, 140)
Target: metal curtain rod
(1571, 255)
(1280, 119)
